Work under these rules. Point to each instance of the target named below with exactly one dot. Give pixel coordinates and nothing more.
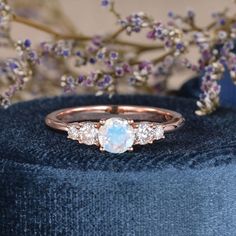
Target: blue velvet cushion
(184, 185)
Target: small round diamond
(144, 133)
(73, 132)
(158, 132)
(147, 132)
(85, 133)
(88, 133)
(116, 135)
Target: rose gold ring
(115, 128)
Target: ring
(115, 128)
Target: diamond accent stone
(116, 135)
(158, 132)
(73, 132)
(84, 132)
(147, 132)
(88, 133)
(144, 133)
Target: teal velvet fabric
(184, 185)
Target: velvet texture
(184, 185)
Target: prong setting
(130, 122)
(102, 122)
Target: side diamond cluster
(87, 132)
(84, 132)
(147, 132)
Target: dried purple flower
(119, 71)
(63, 48)
(105, 3)
(135, 22)
(16, 71)
(209, 99)
(27, 43)
(117, 58)
(26, 53)
(114, 55)
(171, 37)
(107, 79)
(101, 54)
(92, 60)
(68, 83)
(191, 14)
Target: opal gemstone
(116, 135)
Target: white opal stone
(116, 135)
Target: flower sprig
(5, 16)
(18, 70)
(104, 64)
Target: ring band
(115, 128)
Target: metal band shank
(59, 119)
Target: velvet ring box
(183, 185)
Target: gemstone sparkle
(85, 133)
(147, 132)
(116, 135)
(73, 132)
